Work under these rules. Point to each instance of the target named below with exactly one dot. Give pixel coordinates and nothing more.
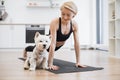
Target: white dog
(39, 57)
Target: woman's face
(66, 14)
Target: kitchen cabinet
(12, 36)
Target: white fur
(39, 57)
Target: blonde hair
(71, 6)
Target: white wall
(20, 13)
(105, 22)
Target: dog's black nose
(44, 46)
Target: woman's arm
(76, 44)
(53, 29)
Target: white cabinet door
(5, 36)
(12, 36)
(18, 36)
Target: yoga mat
(69, 67)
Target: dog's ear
(49, 36)
(36, 35)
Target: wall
(105, 23)
(20, 13)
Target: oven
(31, 30)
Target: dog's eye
(40, 41)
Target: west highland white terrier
(39, 56)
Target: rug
(69, 67)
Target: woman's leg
(27, 49)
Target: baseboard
(93, 47)
(85, 47)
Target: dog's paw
(45, 67)
(26, 68)
(32, 69)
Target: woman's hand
(53, 67)
(80, 66)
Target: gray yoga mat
(69, 67)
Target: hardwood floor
(11, 68)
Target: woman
(60, 30)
